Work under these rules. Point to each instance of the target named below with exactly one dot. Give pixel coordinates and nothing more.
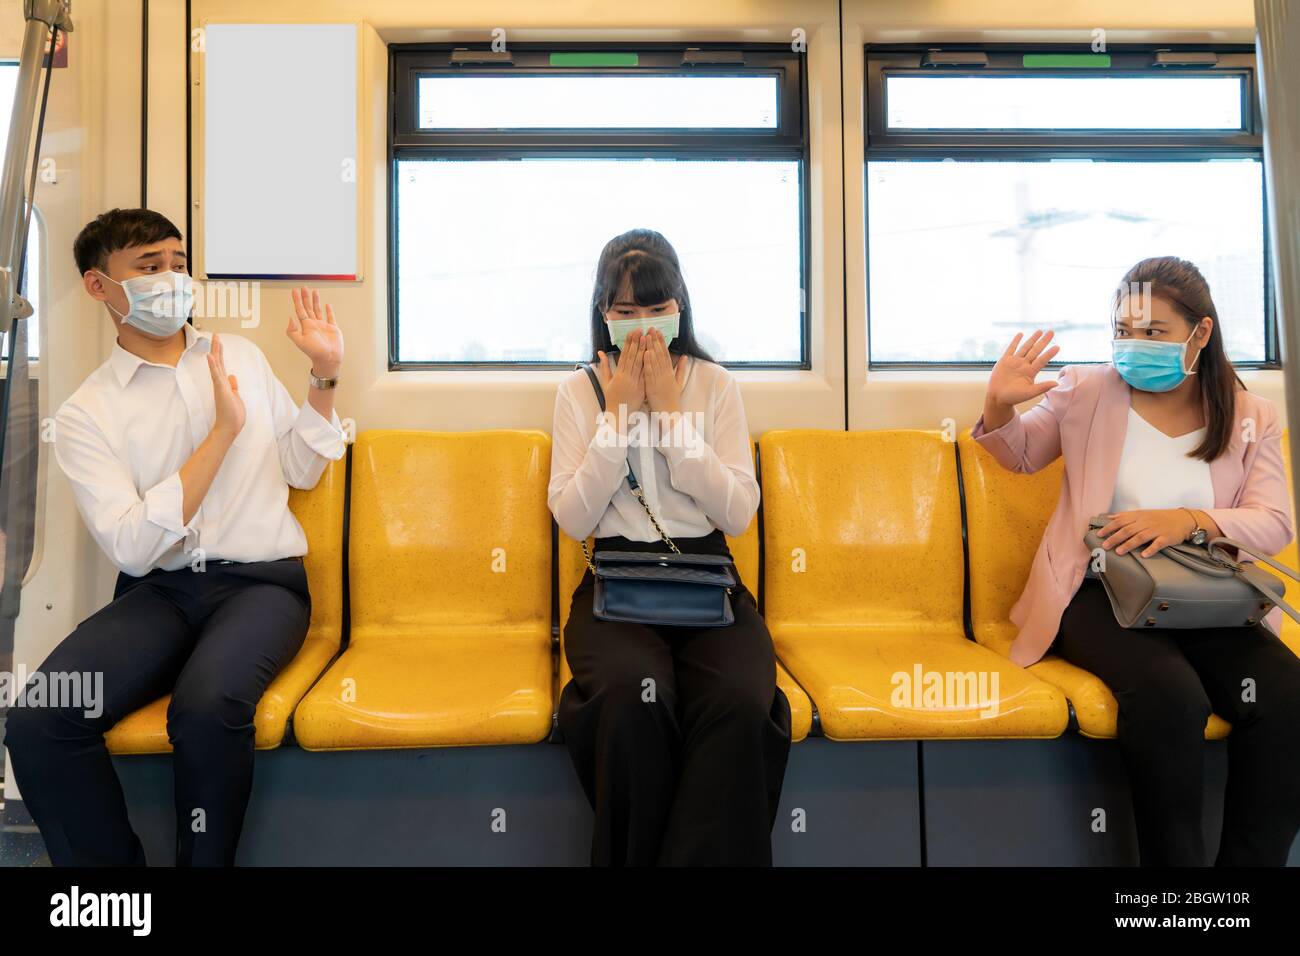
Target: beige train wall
(93, 134)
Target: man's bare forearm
(201, 468)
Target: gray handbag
(1186, 585)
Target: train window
(1064, 102)
(511, 170)
(1010, 188)
(597, 102)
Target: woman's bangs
(652, 280)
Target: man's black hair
(119, 229)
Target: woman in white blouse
(1172, 447)
(679, 735)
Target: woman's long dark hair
(1181, 284)
(650, 264)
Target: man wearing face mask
(180, 450)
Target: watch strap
(322, 383)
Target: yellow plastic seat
(864, 579)
(449, 563)
(1006, 514)
(745, 552)
(320, 512)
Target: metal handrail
(1278, 56)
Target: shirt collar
(125, 363)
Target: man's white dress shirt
(125, 433)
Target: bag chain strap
(640, 496)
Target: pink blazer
(1084, 419)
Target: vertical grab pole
(12, 200)
(16, 408)
(1278, 43)
(41, 16)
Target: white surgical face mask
(620, 329)
(156, 304)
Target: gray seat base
(986, 803)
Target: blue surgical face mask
(156, 304)
(620, 329)
(1151, 366)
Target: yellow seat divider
(864, 587)
(449, 563)
(1006, 514)
(745, 552)
(320, 512)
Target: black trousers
(214, 639)
(686, 771)
(1167, 681)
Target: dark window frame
(1005, 59)
(789, 140)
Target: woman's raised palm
(1012, 380)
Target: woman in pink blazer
(1169, 444)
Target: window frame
(1005, 59)
(789, 141)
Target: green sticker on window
(594, 59)
(1084, 60)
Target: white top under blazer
(701, 482)
(1156, 472)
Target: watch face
(1200, 536)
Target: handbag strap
(1216, 547)
(631, 478)
(1199, 560)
